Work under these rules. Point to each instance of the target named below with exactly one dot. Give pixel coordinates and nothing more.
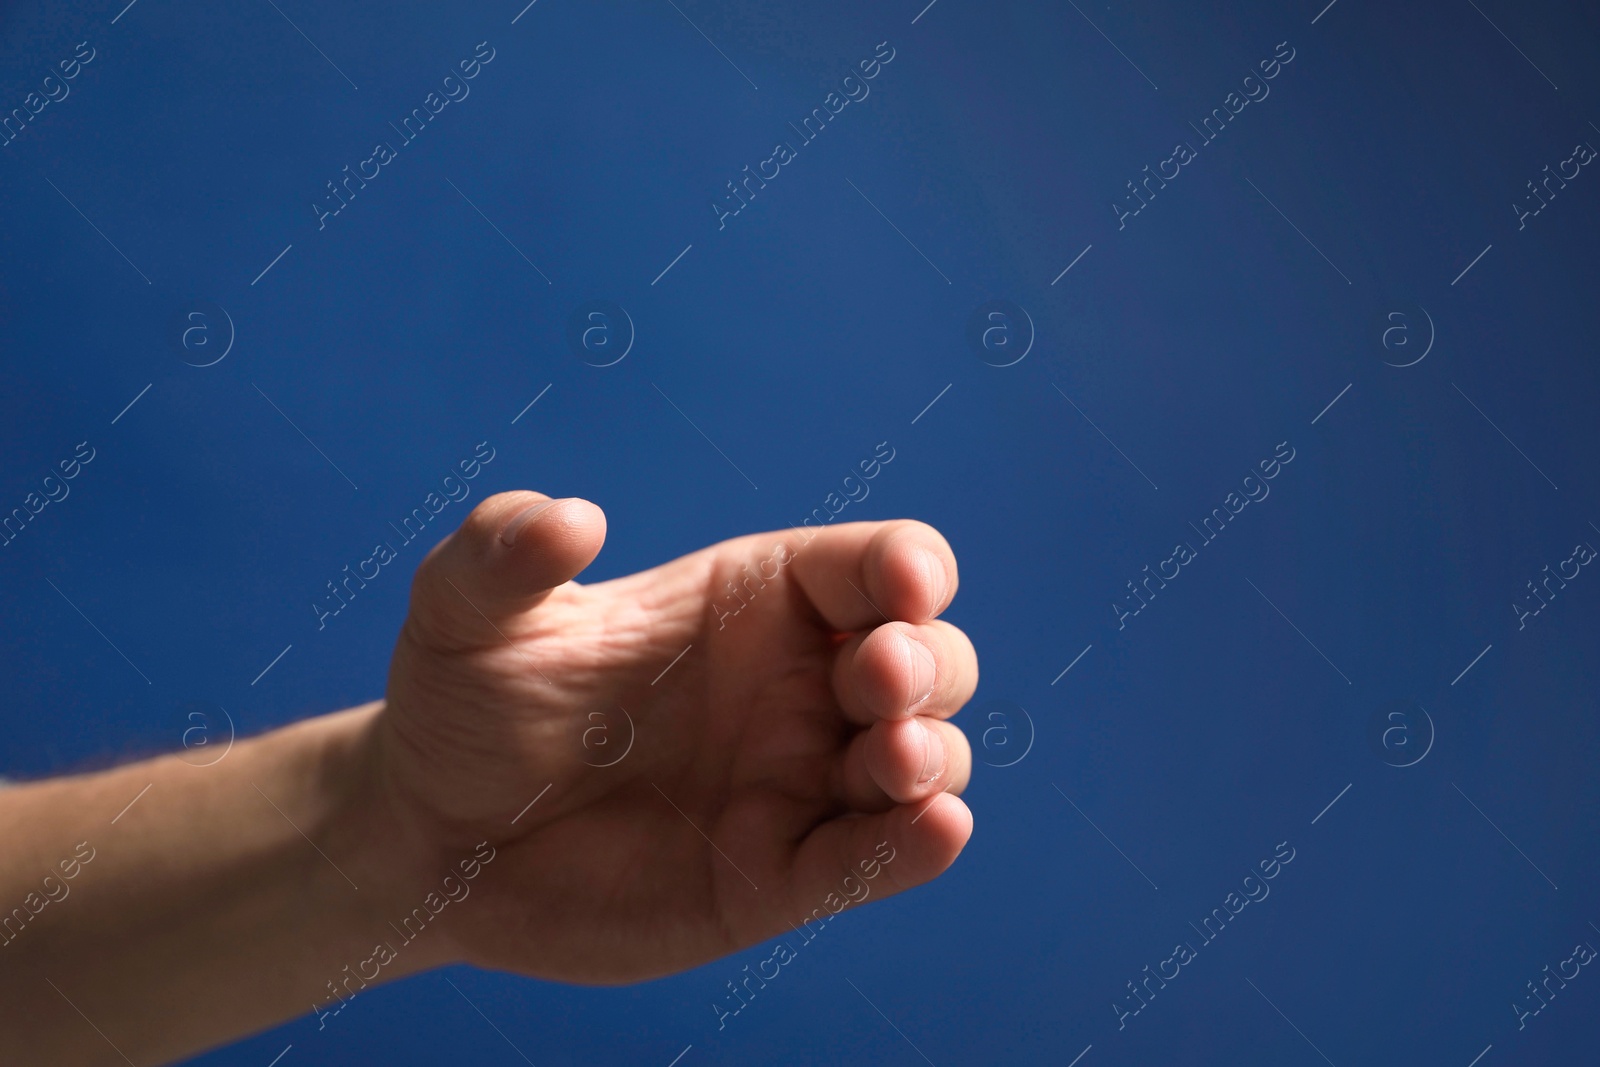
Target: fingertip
(911, 845)
(573, 522)
(945, 821)
(562, 536)
(890, 672)
(912, 758)
(902, 669)
(508, 553)
(915, 572)
(933, 833)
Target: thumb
(505, 558)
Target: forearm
(226, 899)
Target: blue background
(1199, 336)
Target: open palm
(675, 764)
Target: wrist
(386, 850)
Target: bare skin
(620, 780)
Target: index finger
(862, 574)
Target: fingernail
(923, 672)
(508, 536)
(932, 568)
(932, 754)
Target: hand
(766, 763)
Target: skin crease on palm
(765, 764)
